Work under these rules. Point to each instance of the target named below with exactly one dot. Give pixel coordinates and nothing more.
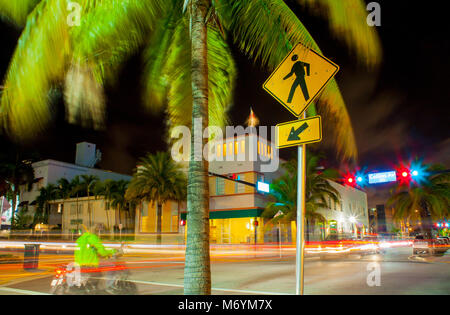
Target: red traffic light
(183, 222)
(350, 180)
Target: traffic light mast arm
(234, 180)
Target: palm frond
(348, 21)
(221, 77)
(110, 31)
(38, 62)
(16, 11)
(266, 31)
(155, 57)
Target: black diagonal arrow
(293, 135)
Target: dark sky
(400, 111)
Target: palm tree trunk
(158, 222)
(14, 204)
(107, 220)
(197, 272)
(89, 210)
(78, 216)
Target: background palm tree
(46, 194)
(157, 179)
(119, 202)
(16, 173)
(423, 200)
(76, 191)
(106, 189)
(64, 188)
(318, 190)
(88, 183)
(186, 76)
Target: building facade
(236, 208)
(50, 171)
(94, 212)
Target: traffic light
(350, 180)
(355, 179)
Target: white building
(50, 171)
(348, 217)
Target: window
(236, 147)
(218, 150)
(239, 188)
(242, 146)
(220, 186)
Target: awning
(230, 214)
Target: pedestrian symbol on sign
(299, 70)
(300, 78)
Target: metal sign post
(295, 83)
(300, 240)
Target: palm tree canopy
(431, 195)
(84, 58)
(64, 188)
(88, 183)
(158, 178)
(318, 189)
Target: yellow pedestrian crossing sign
(299, 78)
(298, 132)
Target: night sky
(398, 112)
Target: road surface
(243, 272)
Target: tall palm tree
(105, 189)
(76, 190)
(64, 188)
(16, 173)
(157, 179)
(118, 200)
(423, 200)
(317, 190)
(190, 69)
(46, 194)
(88, 183)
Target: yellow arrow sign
(298, 132)
(299, 78)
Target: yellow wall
(251, 178)
(169, 222)
(235, 231)
(212, 185)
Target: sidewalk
(11, 268)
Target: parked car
(422, 246)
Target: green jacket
(89, 247)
